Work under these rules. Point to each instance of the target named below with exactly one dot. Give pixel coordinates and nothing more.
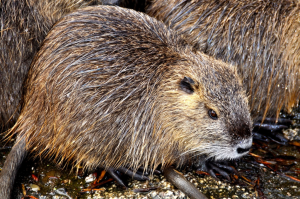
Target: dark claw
(116, 177)
(130, 173)
(260, 137)
(223, 173)
(226, 167)
(220, 167)
(212, 167)
(268, 130)
(274, 136)
(269, 127)
(212, 173)
(282, 121)
(279, 139)
(114, 174)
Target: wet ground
(270, 171)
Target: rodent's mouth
(243, 150)
(222, 150)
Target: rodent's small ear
(187, 85)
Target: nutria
(24, 25)
(113, 87)
(260, 37)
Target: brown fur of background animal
(260, 37)
(114, 87)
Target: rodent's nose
(243, 150)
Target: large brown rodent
(260, 37)
(113, 87)
(24, 25)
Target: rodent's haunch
(24, 25)
(260, 37)
(113, 87)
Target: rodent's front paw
(221, 167)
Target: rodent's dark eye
(212, 114)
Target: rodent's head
(212, 109)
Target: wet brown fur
(24, 25)
(260, 37)
(104, 89)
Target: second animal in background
(260, 37)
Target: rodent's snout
(243, 147)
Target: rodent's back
(260, 37)
(24, 25)
(114, 87)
